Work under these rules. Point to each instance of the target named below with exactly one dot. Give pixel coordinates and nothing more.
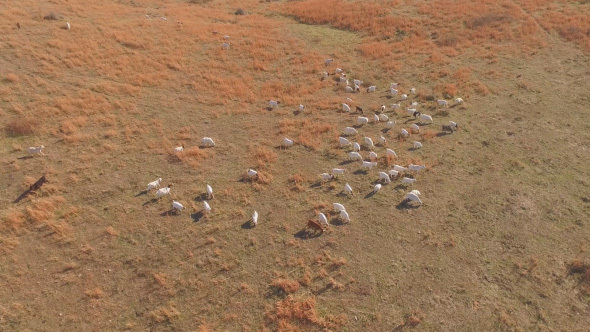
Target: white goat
(345, 108)
(337, 171)
(154, 185)
(416, 168)
(413, 91)
(376, 188)
(353, 155)
(163, 192)
(394, 85)
(390, 152)
(225, 46)
(406, 180)
(206, 207)
(348, 189)
(326, 177)
(414, 128)
(177, 206)
(458, 101)
(343, 142)
(179, 148)
(287, 142)
(400, 168)
(344, 216)
(417, 145)
(338, 207)
(372, 88)
(442, 103)
(396, 106)
(301, 108)
(453, 124)
(393, 173)
(383, 117)
(349, 89)
(350, 131)
(411, 111)
(404, 133)
(393, 91)
(68, 26)
(338, 70)
(273, 103)
(372, 156)
(209, 192)
(207, 141)
(390, 124)
(255, 218)
(425, 118)
(412, 197)
(404, 96)
(382, 140)
(327, 62)
(358, 82)
(368, 165)
(252, 173)
(325, 75)
(356, 146)
(322, 219)
(415, 192)
(385, 177)
(375, 118)
(361, 120)
(36, 150)
(369, 142)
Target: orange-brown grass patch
(164, 314)
(264, 156)
(13, 219)
(582, 269)
(11, 78)
(95, 293)
(193, 156)
(21, 127)
(290, 313)
(111, 231)
(285, 285)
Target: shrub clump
(21, 127)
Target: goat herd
(406, 174)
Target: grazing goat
(412, 112)
(390, 152)
(323, 220)
(273, 103)
(252, 174)
(338, 71)
(356, 146)
(344, 216)
(414, 128)
(206, 208)
(301, 108)
(375, 118)
(325, 75)
(366, 165)
(442, 103)
(225, 46)
(358, 82)
(404, 133)
(68, 26)
(396, 106)
(394, 85)
(400, 168)
(369, 142)
(254, 218)
(406, 180)
(416, 168)
(163, 191)
(349, 89)
(404, 96)
(390, 124)
(287, 142)
(350, 131)
(154, 185)
(393, 91)
(353, 155)
(376, 188)
(179, 148)
(417, 145)
(209, 192)
(382, 141)
(338, 207)
(413, 91)
(38, 184)
(348, 189)
(176, 206)
(372, 156)
(359, 109)
(412, 197)
(393, 173)
(361, 120)
(207, 141)
(326, 177)
(343, 142)
(345, 108)
(425, 118)
(337, 171)
(327, 62)
(383, 117)
(372, 88)
(384, 177)
(36, 150)
(458, 101)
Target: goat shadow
(151, 201)
(346, 162)
(141, 193)
(197, 216)
(443, 133)
(371, 194)
(248, 224)
(23, 195)
(405, 205)
(201, 197)
(360, 171)
(24, 157)
(169, 212)
(305, 234)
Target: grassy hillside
(500, 243)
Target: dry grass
(22, 126)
